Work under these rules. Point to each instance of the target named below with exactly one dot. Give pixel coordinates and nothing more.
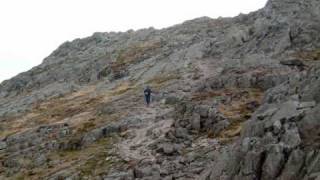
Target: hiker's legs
(147, 98)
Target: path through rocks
(153, 125)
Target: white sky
(31, 29)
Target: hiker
(147, 95)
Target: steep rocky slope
(235, 98)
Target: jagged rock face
(277, 140)
(247, 40)
(237, 98)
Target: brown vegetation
(133, 54)
(237, 105)
(308, 55)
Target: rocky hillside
(234, 98)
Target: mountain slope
(235, 98)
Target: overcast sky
(31, 29)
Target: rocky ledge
(234, 98)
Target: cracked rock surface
(234, 98)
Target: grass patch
(206, 95)
(89, 161)
(242, 104)
(237, 105)
(159, 80)
(101, 160)
(312, 55)
(122, 88)
(7, 133)
(20, 176)
(233, 130)
(134, 54)
(86, 126)
(61, 108)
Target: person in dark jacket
(147, 95)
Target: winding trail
(153, 126)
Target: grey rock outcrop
(239, 99)
(278, 138)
